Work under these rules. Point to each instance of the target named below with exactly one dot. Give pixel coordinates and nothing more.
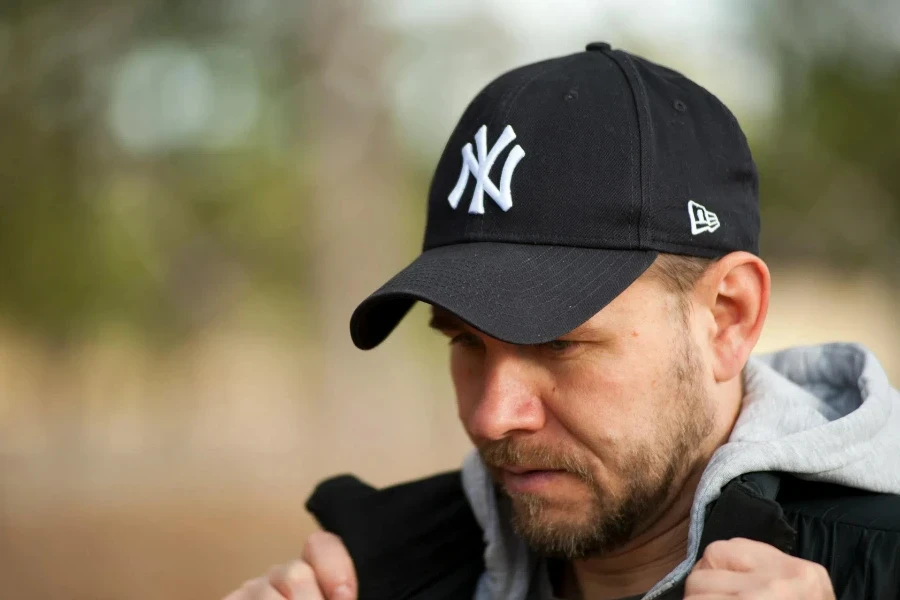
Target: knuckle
(801, 569)
(740, 544)
(780, 588)
(321, 538)
(822, 574)
(251, 583)
(344, 588)
(814, 575)
(694, 579)
(716, 550)
(297, 572)
(252, 589)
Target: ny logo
(481, 169)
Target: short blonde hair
(679, 274)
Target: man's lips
(522, 470)
(526, 479)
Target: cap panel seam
(645, 134)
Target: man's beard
(657, 467)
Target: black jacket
(420, 539)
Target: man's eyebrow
(586, 329)
(441, 320)
(444, 321)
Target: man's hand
(741, 568)
(325, 572)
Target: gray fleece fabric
(824, 413)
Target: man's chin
(568, 529)
(553, 504)
(559, 538)
(545, 522)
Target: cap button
(601, 46)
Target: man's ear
(735, 290)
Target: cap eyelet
(598, 47)
(679, 106)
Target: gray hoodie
(824, 413)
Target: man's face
(590, 436)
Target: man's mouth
(522, 470)
(527, 479)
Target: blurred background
(196, 194)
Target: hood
(823, 413)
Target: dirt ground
(197, 533)
(161, 548)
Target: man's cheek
(467, 400)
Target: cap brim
(518, 293)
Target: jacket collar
(746, 508)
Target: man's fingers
(745, 568)
(710, 581)
(739, 585)
(738, 554)
(257, 589)
(325, 572)
(295, 580)
(328, 557)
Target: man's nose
(509, 401)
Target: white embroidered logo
(702, 219)
(481, 169)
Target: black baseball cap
(561, 184)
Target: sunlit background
(196, 194)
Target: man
(591, 254)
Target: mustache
(512, 453)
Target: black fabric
(852, 533)
(421, 540)
(414, 541)
(491, 286)
(615, 147)
(745, 510)
(697, 152)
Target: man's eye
(558, 345)
(466, 340)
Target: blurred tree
(830, 166)
(148, 162)
(163, 160)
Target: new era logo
(702, 219)
(480, 168)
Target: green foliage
(160, 238)
(153, 154)
(830, 170)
